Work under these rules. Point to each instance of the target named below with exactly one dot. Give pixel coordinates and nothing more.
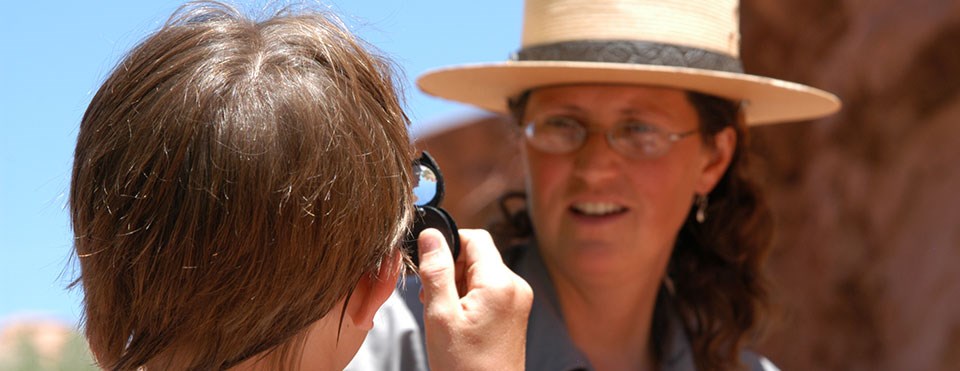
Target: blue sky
(54, 57)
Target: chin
(608, 261)
(594, 258)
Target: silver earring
(668, 285)
(701, 201)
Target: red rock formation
(865, 202)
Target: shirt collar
(549, 346)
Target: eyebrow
(646, 113)
(569, 107)
(563, 108)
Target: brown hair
(715, 270)
(233, 180)
(717, 266)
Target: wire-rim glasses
(637, 140)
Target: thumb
(436, 273)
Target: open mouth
(597, 208)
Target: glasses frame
(529, 130)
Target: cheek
(666, 188)
(541, 171)
(544, 182)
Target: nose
(595, 160)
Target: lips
(597, 208)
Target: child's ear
(373, 290)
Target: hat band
(631, 52)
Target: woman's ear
(717, 159)
(373, 290)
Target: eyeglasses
(428, 191)
(562, 134)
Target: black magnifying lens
(428, 193)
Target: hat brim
(489, 85)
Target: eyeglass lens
(564, 135)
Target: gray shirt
(549, 346)
(395, 343)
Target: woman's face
(599, 214)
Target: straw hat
(684, 44)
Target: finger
(483, 247)
(480, 253)
(459, 269)
(483, 266)
(436, 272)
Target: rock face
(866, 203)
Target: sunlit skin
(333, 340)
(609, 266)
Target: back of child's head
(233, 180)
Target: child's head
(233, 182)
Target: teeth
(597, 208)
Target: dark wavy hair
(715, 279)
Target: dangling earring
(668, 285)
(701, 201)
